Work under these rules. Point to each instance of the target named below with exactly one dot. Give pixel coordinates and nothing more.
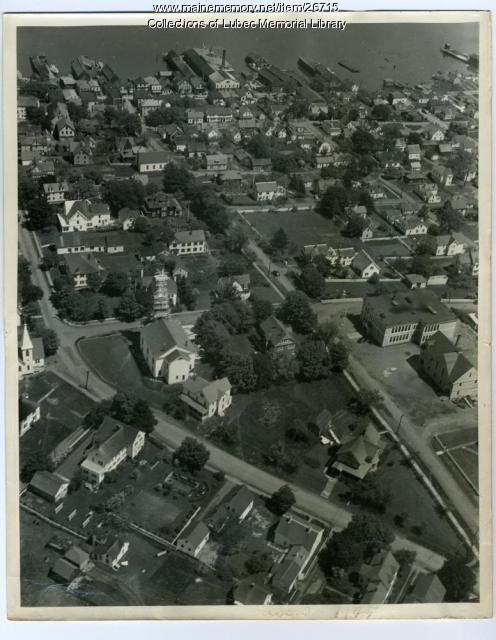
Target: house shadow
(414, 362)
(133, 338)
(357, 324)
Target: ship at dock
(447, 50)
(348, 67)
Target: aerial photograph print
(247, 318)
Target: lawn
(117, 360)
(155, 511)
(301, 227)
(260, 420)
(460, 448)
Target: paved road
(70, 366)
(418, 441)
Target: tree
(176, 178)
(333, 202)
(363, 142)
(414, 138)
(191, 455)
(186, 293)
(297, 185)
(122, 407)
(279, 241)
(50, 341)
(233, 265)
(284, 366)
(422, 265)
(262, 368)
(339, 354)
(128, 308)
(124, 123)
(141, 225)
(368, 493)
(426, 246)
(238, 368)
(30, 293)
(123, 193)
(449, 219)
(381, 112)
(281, 500)
(259, 563)
(296, 311)
(364, 536)
(364, 400)
(32, 462)
(39, 214)
(102, 308)
(211, 336)
(205, 205)
(27, 190)
(95, 416)
(457, 578)
(116, 283)
(312, 282)
(143, 418)
(355, 226)
(94, 281)
(258, 146)
(313, 359)
(236, 240)
(262, 309)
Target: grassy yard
(302, 228)
(117, 360)
(259, 422)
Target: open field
(302, 228)
(459, 449)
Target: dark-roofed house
(127, 217)
(359, 453)
(162, 205)
(405, 317)
(238, 286)
(80, 266)
(300, 541)
(248, 592)
(205, 399)
(150, 161)
(427, 588)
(168, 351)
(276, 336)
(449, 370)
(55, 191)
(193, 539)
(240, 504)
(364, 265)
(110, 551)
(121, 442)
(381, 574)
(51, 486)
(190, 242)
(84, 215)
(65, 573)
(78, 557)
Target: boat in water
(348, 67)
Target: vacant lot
(155, 511)
(302, 228)
(117, 360)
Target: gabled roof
(195, 534)
(290, 532)
(274, 331)
(165, 334)
(122, 436)
(211, 391)
(194, 235)
(455, 363)
(48, 482)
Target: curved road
(70, 366)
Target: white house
(189, 242)
(236, 285)
(29, 413)
(206, 399)
(263, 191)
(150, 161)
(55, 191)
(123, 442)
(192, 540)
(364, 265)
(84, 215)
(168, 351)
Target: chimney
(222, 66)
